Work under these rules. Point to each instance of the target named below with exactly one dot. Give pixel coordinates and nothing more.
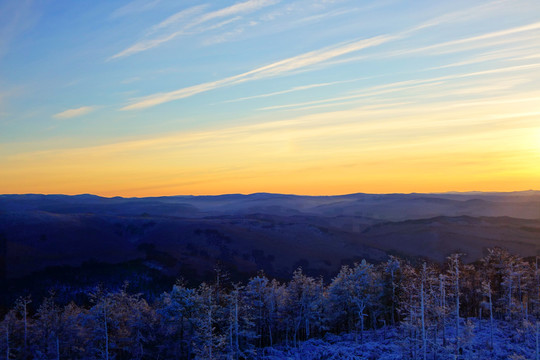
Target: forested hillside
(79, 241)
(392, 310)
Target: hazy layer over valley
(187, 235)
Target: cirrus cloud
(71, 113)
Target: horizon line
(449, 192)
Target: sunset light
(305, 97)
(269, 179)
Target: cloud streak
(491, 35)
(294, 89)
(306, 60)
(134, 7)
(492, 39)
(406, 86)
(511, 54)
(16, 17)
(391, 120)
(177, 17)
(272, 70)
(71, 113)
(177, 26)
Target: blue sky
(169, 97)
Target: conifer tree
(391, 267)
(486, 290)
(48, 328)
(454, 270)
(176, 312)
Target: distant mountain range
(187, 235)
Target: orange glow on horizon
(485, 147)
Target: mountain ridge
(186, 236)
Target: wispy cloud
(285, 18)
(275, 69)
(533, 56)
(299, 62)
(134, 7)
(293, 89)
(478, 38)
(71, 113)
(16, 17)
(131, 80)
(462, 15)
(346, 99)
(409, 85)
(239, 8)
(345, 122)
(144, 45)
(177, 17)
(225, 36)
(510, 54)
(527, 35)
(186, 21)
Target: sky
(316, 97)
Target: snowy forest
(390, 310)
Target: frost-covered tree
(487, 292)
(339, 304)
(356, 293)
(131, 324)
(409, 309)
(72, 334)
(48, 328)
(176, 313)
(256, 296)
(493, 267)
(424, 304)
(17, 330)
(242, 331)
(391, 269)
(8, 326)
(97, 324)
(441, 307)
(305, 304)
(209, 341)
(454, 274)
(259, 320)
(514, 271)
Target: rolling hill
(185, 236)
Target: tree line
(431, 303)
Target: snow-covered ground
(510, 341)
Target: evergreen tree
(177, 311)
(454, 274)
(47, 329)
